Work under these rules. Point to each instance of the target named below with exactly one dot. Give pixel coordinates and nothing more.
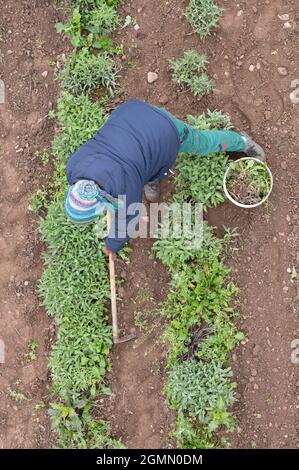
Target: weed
(52, 63)
(188, 435)
(83, 72)
(17, 396)
(269, 401)
(73, 29)
(91, 27)
(39, 406)
(40, 43)
(139, 320)
(190, 70)
(102, 20)
(211, 120)
(38, 200)
(85, 4)
(124, 254)
(43, 156)
(203, 15)
(118, 50)
(31, 355)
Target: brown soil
(29, 43)
(258, 102)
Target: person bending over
(131, 153)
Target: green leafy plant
(211, 120)
(189, 436)
(85, 4)
(204, 390)
(17, 396)
(73, 28)
(91, 27)
(190, 70)
(200, 294)
(31, 355)
(83, 72)
(201, 179)
(79, 119)
(38, 200)
(80, 431)
(203, 15)
(102, 20)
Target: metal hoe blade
(124, 339)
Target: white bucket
(245, 206)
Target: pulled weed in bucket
(248, 182)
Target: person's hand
(109, 252)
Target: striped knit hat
(85, 201)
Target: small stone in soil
(256, 350)
(152, 77)
(282, 71)
(284, 17)
(268, 115)
(163, 99)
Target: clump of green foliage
(78, 430)
(17, 396)
(202, 389)
(200, 294)
(38, 200)
(80, 119)
(190, 70)
(76, 267)
(84, 4)
(83, 72)
(91, 27)
(189, 436)
(31, 355)
(200, 179)
(203, 15)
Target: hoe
(115, 331)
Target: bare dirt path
(250, 36)
(28, 44)
(268, 405)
